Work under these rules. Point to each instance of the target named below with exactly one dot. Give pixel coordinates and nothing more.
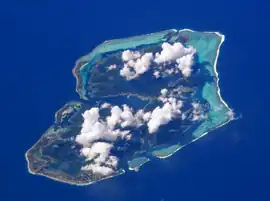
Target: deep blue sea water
(46, 38)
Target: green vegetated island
(142, 98)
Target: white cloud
(127, 72)
(158, 117)
(147, 116)
(98, 169)
(162, 115)
(142, 64)
(172, 52)
(105, 105)
(115, 117)
(156, 74)
(196, 106)
(94, 129)
(185, 63)
(164, 92)
(133, 68)
(124, 134)
(127, 117)
(183, 116)
(170, 71)
(163, 98)
(115, 125)
(90, 127)
(112, 161)
(100, 149)
(197, 112)
(139, 114)
(130, 55)
(111, 67)
(92, 116)
(100, 160)
(136, 64)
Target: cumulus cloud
(172, 52)
(178, 53)
(133, 68)
(164, 92)
(99, 156)
(147, 116)
(117, 123)
(124, 134)
(162, 115)
(100, 149)
(109, 128)
(115, 117)
(127, 72)
(90, 127)
(136, 64)
(105, 105)
(197, 112)
(94, 129)
(127, 117)
(98, 169)
(185, 63)
(183, 116)
(142, 64)
(156, 74)
(130, 55)
(159, 116)
(111, 67)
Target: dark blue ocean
(43, 40)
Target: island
(142, 98)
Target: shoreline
(79, 89)
(65, 181)
(76, 69)
(78, 78)
(137, 168)
(55, 178)
(218, 93)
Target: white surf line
(161, 157)
(215, 63)
(137, 168)
(218, 92)
(59, 180)
(65, 181)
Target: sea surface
(42, 41)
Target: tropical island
(142, 98)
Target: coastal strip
(62, 179)
(178, 147)
(79, 83)
(112, 45)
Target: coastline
(138, 166)
(80, 64)
(218, 93)
(76, 73)
(57, 113)
(135, 40)
(66, 181)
